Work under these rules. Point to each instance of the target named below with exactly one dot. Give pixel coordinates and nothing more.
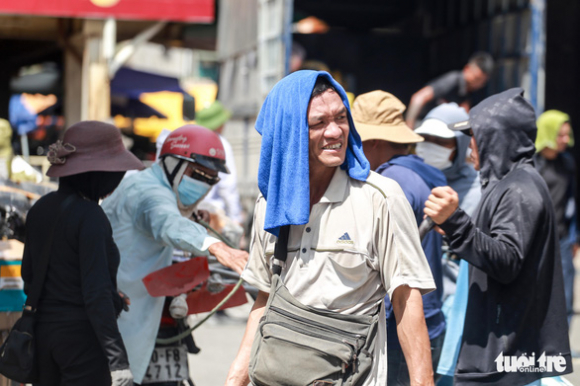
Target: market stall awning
(132, 83)
(127, 87)
(132, 108)
(155, 101)
(192, 11)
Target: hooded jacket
(516, 304)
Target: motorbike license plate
(167, 364)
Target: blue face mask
(190, 190)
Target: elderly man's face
(328, 130)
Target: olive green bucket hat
(213, 117)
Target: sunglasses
(204, 177)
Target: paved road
(219, 342)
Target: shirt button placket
(306, 235)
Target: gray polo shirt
(360, 243)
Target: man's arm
(413, 336)
(500, 254)
(238, 374)
(158, 216)
(418, 100)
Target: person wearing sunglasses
(151, 214)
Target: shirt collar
(337, 189)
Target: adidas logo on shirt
(344, 239)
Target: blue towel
(283, 175)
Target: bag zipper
(315, 335)
(314, 323)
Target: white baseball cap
(436, 128)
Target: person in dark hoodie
(378, 117)
(515, 327)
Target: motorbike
(168, 365)
(12, 223)
(14, 205)
(206, 284)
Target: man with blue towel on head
(348, 236)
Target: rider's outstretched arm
(238, 374)
(157, 215)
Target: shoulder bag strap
(281, 250)
(38, 278)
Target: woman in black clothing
(78, 342)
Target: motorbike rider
(150, 213)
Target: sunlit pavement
(219, 341)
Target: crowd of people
(349, 292)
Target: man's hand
(442, 202)
(231, 258)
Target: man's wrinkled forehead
(316, 105)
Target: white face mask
(435, 155)
(191, 191)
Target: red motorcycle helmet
(196, 144)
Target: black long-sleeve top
(80, 280)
